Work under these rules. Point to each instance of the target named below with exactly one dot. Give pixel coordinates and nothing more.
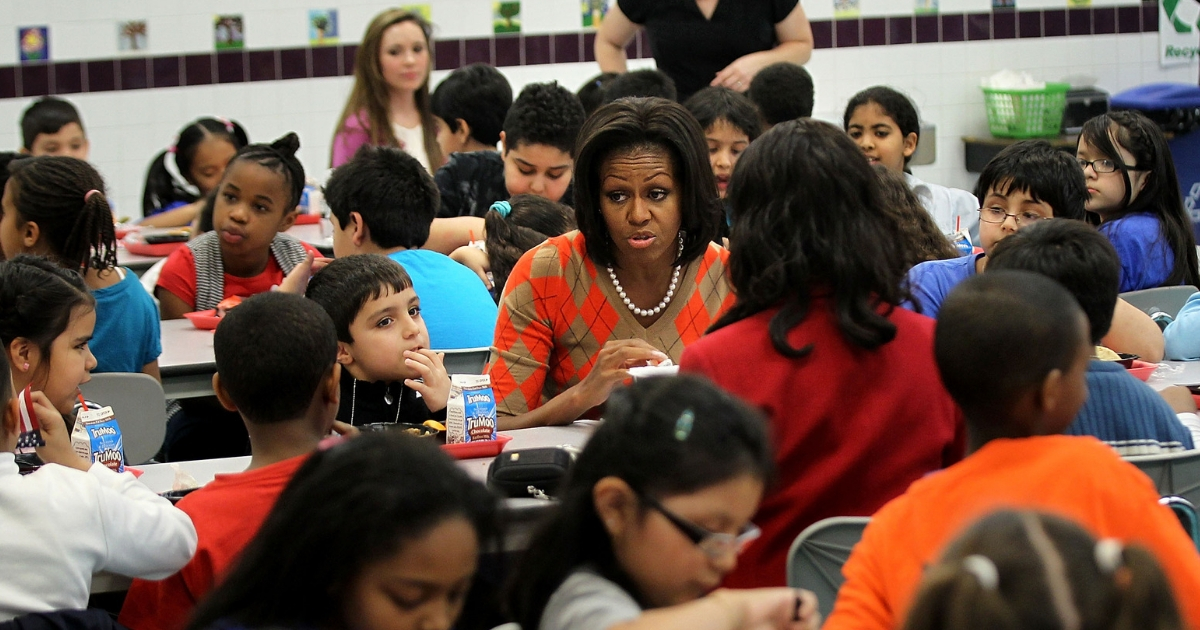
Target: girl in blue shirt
(1133, 190)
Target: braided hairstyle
(37, 299)
(280, 157)
(65, 198)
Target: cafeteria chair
(818, 553)
(465, 360)
(1186, 513)
(140, 408)
(1167, 300)
(1173, 474)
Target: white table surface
(521, 514)
(187, 363)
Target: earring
(25, 367)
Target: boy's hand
(296, 282)
(58, 449)
(434, 385)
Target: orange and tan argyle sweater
(557, 313)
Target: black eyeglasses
(997, 214)
(714, 544)
(1100, 167)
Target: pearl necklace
(644, 312)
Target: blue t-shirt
(128, 334)
(457, 308)
(931, 281)
(1127, 414)
(1146, 257)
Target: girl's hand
(612, 367)
(296, 282)
(474, 259)
(434, 385)
(58, 449)
(773, 608)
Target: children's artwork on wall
(594, 12)
(1004, 4)
(506, 16)
(33, 43)
(926, 7)
(229, 32)
(132, 35)
(420, 9)
(845, 9)
(322, 27)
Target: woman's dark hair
(919, 236)
(807, 220)
(345, 509)
(646, 123)
(893, 103)
(1015, 570)
(280, 157)
(662, 436)
(714, 104)
(164, 187)
(37, 299)
(531, 220)
(77, 224)
(1160, 195)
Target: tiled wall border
(137, 73)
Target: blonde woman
(389, 104)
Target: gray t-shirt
(588, 601)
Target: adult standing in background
(707, 42)
(389, 103)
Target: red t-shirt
(227, 514)
(178, 276)
(852, 428)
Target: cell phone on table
(29, 431)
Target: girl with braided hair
(1031, 570)
(56, 207)
(246, 252)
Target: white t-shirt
(948, 206)
(413, 139)
(61, 525)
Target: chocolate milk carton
(97, 437)
(471, 409)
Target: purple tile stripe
(137, 73)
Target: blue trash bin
(1176, 109)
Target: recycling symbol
(1184, 14)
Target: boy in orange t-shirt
(283, 380)
(1012, 348)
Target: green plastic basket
(1026, 113)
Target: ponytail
(516, 226)
(65, 198)
(1144, 598)
(168, 178)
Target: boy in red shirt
(1013, 349)
(282, 379)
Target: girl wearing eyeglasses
(654, 514)
(1133, 189)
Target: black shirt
(691, 49)
(470, 183)
(364, 402)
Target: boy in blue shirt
(1025, 183)
(1122, 411)
(383, 202)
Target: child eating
(383, 346)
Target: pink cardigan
(349, 138)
